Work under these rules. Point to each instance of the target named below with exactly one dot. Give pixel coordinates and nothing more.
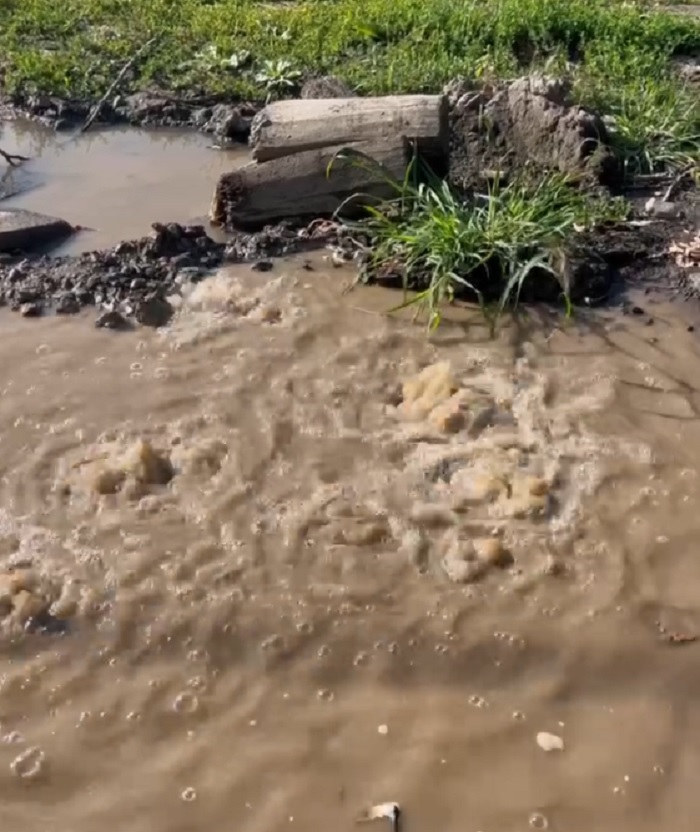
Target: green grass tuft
(443, 245)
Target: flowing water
(290, 558)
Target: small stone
(538, 821)
(550, 742)
(262, 266)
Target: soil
(530, 123)
(136, 280)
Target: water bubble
(538, 821)
(29, 764)
(13, 738)
(383, 730)
(323, 650)
(360, 659)
(326, 695)
(136, 367)
(305, 627)
(133, 716)
(478, 701)
(393, 647)
(189, 794)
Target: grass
(487, 247)
(257, 50)
(247, 49)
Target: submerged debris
(550, 742)
(687, 253)
(389, 811)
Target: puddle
(115, 182)
(228, 592)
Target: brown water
(259, 627)
(115, 182)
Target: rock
(155, 312)
(227, 122)
(550, 742)
(262, 266)
(326, 86)
(26, 230)
(112, 319)
(67, 304)
(31, 310)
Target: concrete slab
(26, 230)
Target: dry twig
(95, 111)
(13, 159)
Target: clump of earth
(31, 600)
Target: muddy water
(114, 183)
(232, 595)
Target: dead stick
(95, 111)
(13, 159)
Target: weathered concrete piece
(298, 185)
(288, 127)
(26, 230)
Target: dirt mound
(529, 122)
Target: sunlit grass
(486, 247)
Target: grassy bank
(621, 57)
(622, 53)
(234, 46)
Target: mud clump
(135, 472)
(31, 601)
(529, 122)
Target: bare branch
(13, 159)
